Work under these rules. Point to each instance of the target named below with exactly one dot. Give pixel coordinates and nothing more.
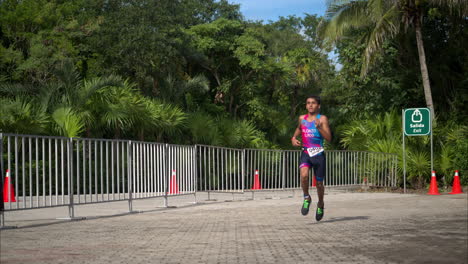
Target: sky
(271, 9)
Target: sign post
(416, 122)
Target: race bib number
(314, 151)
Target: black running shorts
(318, 163)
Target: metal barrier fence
(102, 171)
(280, 169)
(220, 169)
(181, 163)
(58, 171)
(268, 165)
(291, 160)
(360, 167)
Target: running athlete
(313, 127)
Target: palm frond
(117, 117)
(457, 133)
(419, 164)
(67, 122)
(353, 14)
(89, 87)
(203, 129)
(385, 146)
(226, 130)
(387, 27)
(48, 97)
(446, 160)
(246, 135)
(18, 89)
(68, 77)
(199, 83)
(20, 115)
(167, 118)
(356, 136)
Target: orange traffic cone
(8, 191)
(256, 185)
(433, 188)
(456, 188)
(173, 186)
(314, 181)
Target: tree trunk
(293, 102)
(88, 132)
(272, 91)
(219, 96)
(235, 111)
(116, 132)
(141, 135)
(155, 87)
(231, 104)
(422, 62)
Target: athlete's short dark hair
(316, 97)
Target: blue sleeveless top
(311, 137)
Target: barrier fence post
(195, 172)
(355, 171)
(71, 211)
(2, 205)
(130, 175)
(167, 170)
(243, 170)
(283, 156)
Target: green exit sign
(417, 121)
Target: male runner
(314, 128)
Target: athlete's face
(312, 105)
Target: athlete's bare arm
(323, 127)
(294, 140)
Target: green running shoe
(305, 206)
(319, 214)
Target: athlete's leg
(305, 188)
(304, 167)
(320, 192)
(304, 171)
(305, 180)
(319, 165)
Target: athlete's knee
(320, 184)
(304, 172)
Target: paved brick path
(357, 228)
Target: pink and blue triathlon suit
(311, 138)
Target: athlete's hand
(318, 123)
(295, 142)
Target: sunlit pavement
(357, 228)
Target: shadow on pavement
(346, 218)
(52, 221)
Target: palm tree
(203, 129)
(164, 120)
(385, 19)
(67, 122)
(380, 133)
(66, 99)
(118, 109)
(240, 134)
(19, 115)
